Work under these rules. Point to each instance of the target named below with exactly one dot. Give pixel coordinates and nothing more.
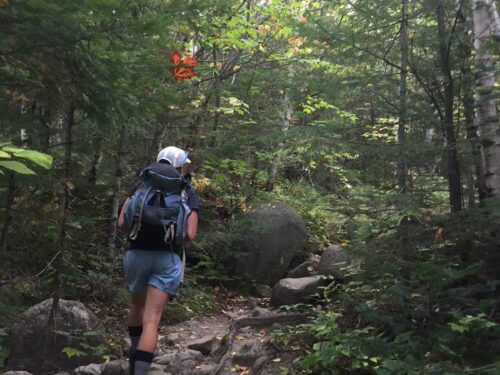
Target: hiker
(153, 266)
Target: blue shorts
(161, 269)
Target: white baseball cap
(174, 156)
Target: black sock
(135, 334)
(142, 362)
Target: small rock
(307, 268)
(252, 302)
(117, 367)
(164, 359)
(276, 327)
(157, 368)
(203, 345)
(292, 291)
(201, 370)
(188, 364)
(247, 354)
(171, 339)
(333, 261)
(126, 345)
(264, 291)
(92, 369)
(259, 365)
(178, 358)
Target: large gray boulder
(332, 262)
(36, 345)
(278, 234)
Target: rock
(29, 335)
(179, 358)
(156, 369)
(164, 359)
(171, 339)
(252, 302)
(332, 261)
(246, 330)
(16, 373)
(118, 367)
(200, 370)
(247, 354)
(305, 269)
(276, 326)
(261, 312)
(292, 291)
(278, 234)
(203, 345)
(264, 291)
(259, 365)
(92, 369)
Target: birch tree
(486, 33)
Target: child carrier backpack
(161, 201)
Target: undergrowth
(424, 300)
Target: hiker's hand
(121, 216)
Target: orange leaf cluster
(183, 66)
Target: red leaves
(182, 68)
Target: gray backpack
(160, 200)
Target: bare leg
(134, 317)
(151, 316)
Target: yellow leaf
(69, 185)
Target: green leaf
(15, 166)
(70, 352)
(44, 160)
(4, 155)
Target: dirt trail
(250, 352)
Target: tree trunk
(11, 193)
(69, 122)
(476, 148)
(215, 139)
(273, 169)
(116, 199)
(486, 28)
(451, 154)
(96, 160)
(402, 162)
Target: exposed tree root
(224, 353)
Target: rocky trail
(236, 341)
